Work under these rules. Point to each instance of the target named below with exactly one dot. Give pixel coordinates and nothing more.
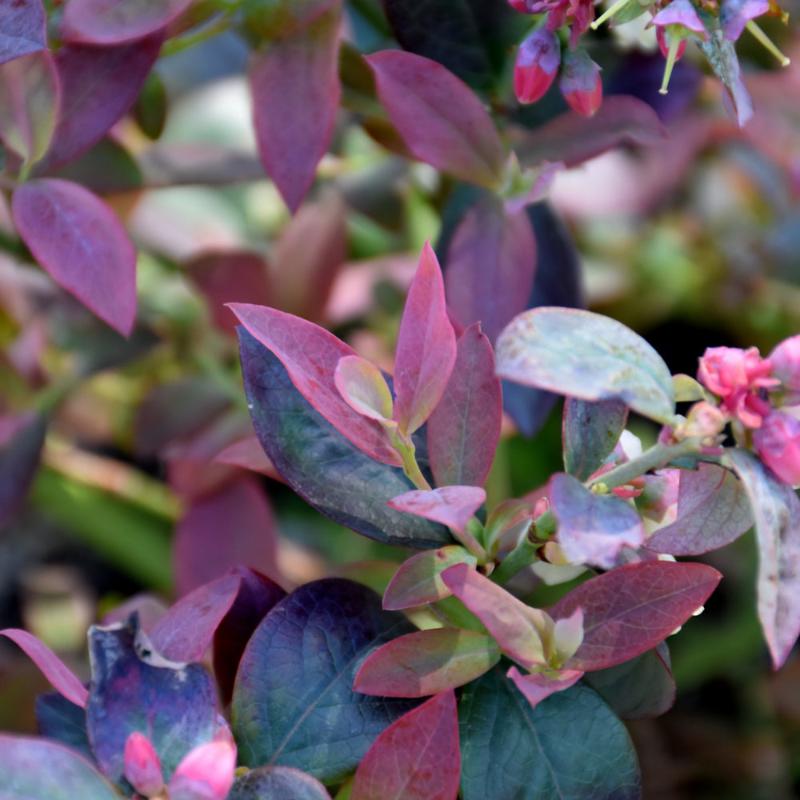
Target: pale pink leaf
(79, 240)
(453, 506)
(537, 686)
(426, 346)
(248, 454)
(363, 388)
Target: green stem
(523, 555)
(405, 448)
(181, 43)
(612, 10)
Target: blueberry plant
(450, 681)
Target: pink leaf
(489, 235)
(242, 511)
(415, 758)
(464, 429)
(109, 22)
(536, 686)
(440, 119)
(514, 625)
(186, 631)
(426, 662)
(63, 680)
(29, 100)
(249, 454)
(205, 773)
(426, 346)
(633, 608)
(453, 506)
(309, 254)
(310, 355)
(22, 29)
(98, 87)
(228, 277)
(82, 244)
(592, 529)
(296, 90)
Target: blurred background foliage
(692, 242)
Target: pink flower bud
(142, 765)
(206, 773)
(785, 360)
(704, 420)
(519, 5)
(538, 58)
(580, 83)
(777, 443)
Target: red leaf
(426, 662)
(98, 87)
(296, 90)
(52, 667)
(228, 277)
(81, 243)
(464, 429)
(108, 22)
(493, 297)
(453, 506)
(440, 119)
(29, 99)
(537, 687)
(240, 510)
(310, 355)
(633, 608)
(415, 758)
(426, 346)
(186, 631)
(22, 29)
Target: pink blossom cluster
(761, 397)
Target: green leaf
(591, 431)
(571, 747)
(588, 356)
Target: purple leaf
(185, 632)
(98, 87)
(109, 22)
(464, 429)
(573, 139)
(586, 355)
(493, 297)
(514, 625)
(310, 355)
(21, 441)
(440, 119)
(776, 509)
(257, 595)
(35, 769)
(537, 686)
(278, 783)
(295, 85)
(51, 666)
(633, 608)
(590, 431)
(415, 758)
(29, 99)
(418, 580)
(453, 506)
(713, 511)
(592, 529)
(79, 240)
(426, 662)
(240, 508)
(23, 29)
(228, 277)
(426, 346)
(248, 454)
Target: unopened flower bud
(777, 443)
(537, 63)
(206, 773)
(580, 83)
(142, 765)
(705, 420)
(785, 360)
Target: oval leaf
(464, 429)
(427, 662)
(453, 506)
(34, 769)
(293, 703)
(633, 608)
(277, 783)
(511, 751)
(81, 243)
(320, 464)
(590, 433)
(295, 86)
(586, 355)
(23, 29)
(415, 758)
(109, 22)
(363, 387)
(441, 121)
(592, 529)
